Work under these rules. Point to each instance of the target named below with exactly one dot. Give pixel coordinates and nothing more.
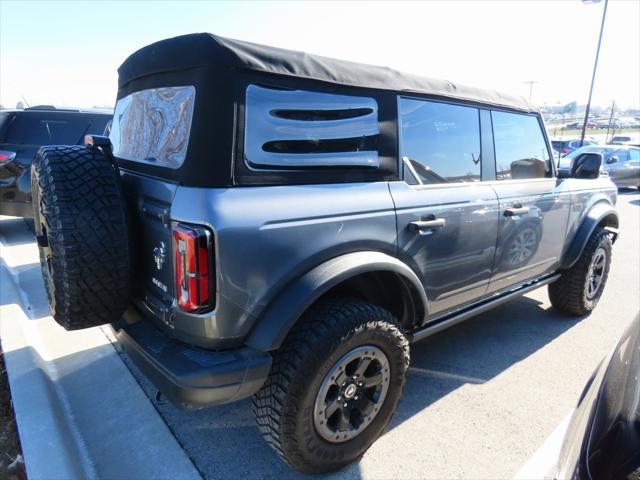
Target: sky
(66, 53)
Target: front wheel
(580, 287)
(334, 385)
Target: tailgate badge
(159, 254)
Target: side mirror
(612, 159)
(586, 165)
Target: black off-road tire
(81, 229)
(569, 293)
(284, 407)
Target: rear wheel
(580, 287)
(334, 385)
(81, 230)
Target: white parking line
(426, 372)
(541, 462)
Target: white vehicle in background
(621, 140)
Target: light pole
(531, 83)
(613, 107)
(595, 67)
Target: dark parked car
(23, 132)
(620, 162)
(603, 438)
(564, 147)
(268, 223)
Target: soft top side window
(300, 130)
(521, 151)
(439, 142)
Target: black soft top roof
(205, 49)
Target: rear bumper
(191, 377)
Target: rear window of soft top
(153, 126)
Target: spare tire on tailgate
(81, 229)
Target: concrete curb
(80, 412)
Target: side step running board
(440, 325)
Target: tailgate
(149, 206)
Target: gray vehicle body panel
(268, 237)
(296, 177)
(279, 248)
(453, 262)
(548, 202)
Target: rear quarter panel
(267, 236)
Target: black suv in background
(23, 132)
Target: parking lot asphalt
(481, 397)
(73, 398)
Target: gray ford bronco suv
(268, 223)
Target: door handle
(423, 226)
(516, 210)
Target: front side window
(521, 151)
(301, 129)
(440, 141)
(153, 126)
(621, 155)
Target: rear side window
(440, 141)
(153, 126)
(300, 130)
(521, 151)
(42, 128)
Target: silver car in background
(620, 162)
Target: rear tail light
(564, 151)
(194, 277)
(6, 156)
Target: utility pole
(613, 107)
(531, 82)
(593, 77)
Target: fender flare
(601, 211)
(278, 318)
